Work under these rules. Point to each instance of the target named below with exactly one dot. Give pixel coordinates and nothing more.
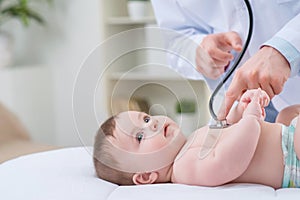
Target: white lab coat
(197, 18)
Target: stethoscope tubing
(238, 60)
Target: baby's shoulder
(183, 166)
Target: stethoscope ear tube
(231, 70)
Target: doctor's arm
(271, 66)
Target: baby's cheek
(154, 145)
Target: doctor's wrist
(287, 51)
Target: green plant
(186, 106)
(19, 9)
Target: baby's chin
(179, 140)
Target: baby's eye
(146, 119)
(139, 136)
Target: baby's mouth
(166, 130)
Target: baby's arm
(236, 113)
(235, 150)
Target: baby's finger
(257, 95)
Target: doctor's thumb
(225, 108)
(229, 99)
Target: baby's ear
(145, 178)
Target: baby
(135, 148)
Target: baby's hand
(262, 96)
(254, 102)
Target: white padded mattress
(69, 174)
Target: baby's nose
(154, 125)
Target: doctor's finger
(234, 40)
(251, 82)
(277, 85)
(218, 54)
(209, 69)
(268, 89)
(234, 92)
(216, 72)
(221, 63)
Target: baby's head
(136, 148)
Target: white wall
(28, 92)
(82, 34)
(73, 29)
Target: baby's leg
(287, 114)
(285, 117)
(297, 138)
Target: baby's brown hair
(102, 153)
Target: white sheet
(69, 174)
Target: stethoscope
(223, 123)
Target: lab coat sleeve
(182, 36)
(287, 42)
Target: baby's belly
(267, 165)
(271, 176)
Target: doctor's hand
(267, 69)
(213, 54)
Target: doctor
(216, 31)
